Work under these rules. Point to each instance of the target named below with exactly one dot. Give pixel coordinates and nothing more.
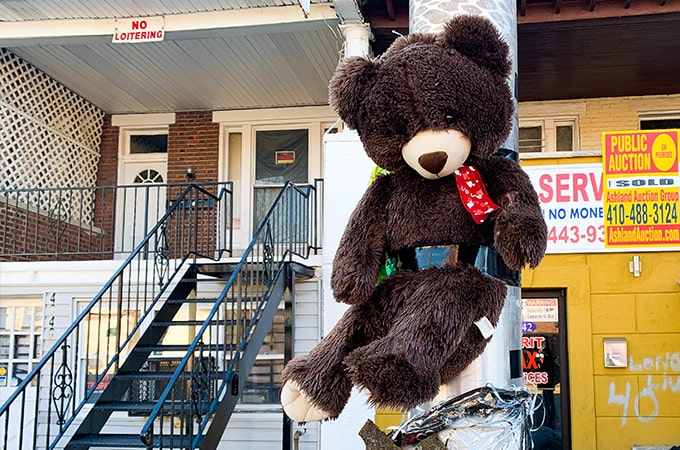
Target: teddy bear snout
(433, 162)
(436, 154)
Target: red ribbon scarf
(473, 193)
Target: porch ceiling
(216, 54)
(242, 54)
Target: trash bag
(484, 418)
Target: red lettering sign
(533, 341)
(139, 24)
(568, 187)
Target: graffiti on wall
(645, 403)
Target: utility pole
(501, 362)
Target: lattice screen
(49, 136)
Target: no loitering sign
(641, 188)
(141, 29)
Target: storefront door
(545, 365)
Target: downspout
(344, 184)
(501, 361)
(296, 438)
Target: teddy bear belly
(423, 257)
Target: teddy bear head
(431, 102)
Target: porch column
(357, 37)
(504, 350)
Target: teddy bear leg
(475, 343)
(316, 386)
(439, 306)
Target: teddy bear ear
(347, 88)
(479, 40)
(404, 41)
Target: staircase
(184, 390)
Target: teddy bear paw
(390, 380)
(298, 406)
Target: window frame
(549, 125)
(649, 116)
(34, 334)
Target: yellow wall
(605, 300)
(622, 407)
(601, 114)
(640, 404)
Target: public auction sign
(142, 29)
(641, 189)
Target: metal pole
(500, 364)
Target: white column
(357, 36)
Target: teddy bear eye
(401, 129)
(449, 118)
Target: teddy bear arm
(360, 255)
(355, 274)
(520, 233)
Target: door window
(148, 143)
(280, 156)
(148, 176)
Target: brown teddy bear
(432, 110)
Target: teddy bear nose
(433, 162)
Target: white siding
(263, 431)
(307, 322)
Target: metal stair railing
(195, 406)
(47, 402)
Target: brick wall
(193, 141)
(602, 114)
(30, 236)
(606, 114)
(107, 172)
(107, 175)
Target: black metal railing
(88, 223)
(219, 358)
(196, 223)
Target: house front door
(140, 203)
